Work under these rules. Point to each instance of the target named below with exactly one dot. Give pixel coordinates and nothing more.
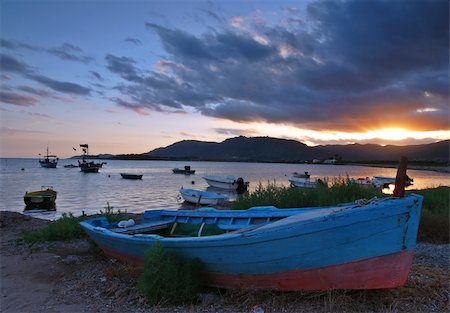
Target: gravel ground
(72, 277)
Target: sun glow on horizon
(315, 137)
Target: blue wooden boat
(349, 246)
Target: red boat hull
(389, 271)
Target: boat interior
(205, 221)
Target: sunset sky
(131, 76)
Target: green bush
(65, 228)
(167, 278)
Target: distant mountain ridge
(268, 149)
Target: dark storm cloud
(70, 52)
(350, 65)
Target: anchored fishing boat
(41, 199)
(88, 166)
(48, 161)
(202, 197)
(186, 170)
(360, 245)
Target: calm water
(158, 188)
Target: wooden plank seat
(142, 227)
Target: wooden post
(400, 179)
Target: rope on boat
(363, 201)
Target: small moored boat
(48, 161)
(202, 197)
(228, 182)
(186, 170)
(383, 181)
(131, 176)
(70, 166)
(301, 175)
(41, 199)
(367, 182)
(303, 182)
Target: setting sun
(394, 134)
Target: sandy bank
(69, 277)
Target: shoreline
(69, 277)
(432, 168)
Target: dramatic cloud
(17, 99)
(16, 45)
(349, 66)
(96, 75)
(135, 41)
(12, 65)
(70, 52)
(66, 51)
(64, 87)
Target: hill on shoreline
(268, 149)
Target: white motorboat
(363, 181)
(303, 182)
(383, 181)
(227, 182)
(202, 197)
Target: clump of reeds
(65, 228)
(329, 192)
(110, 214)
(167, 279)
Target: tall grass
(65, 228)
(434, 224)
(436, 200)
(331, 192)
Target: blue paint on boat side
(305, 239)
